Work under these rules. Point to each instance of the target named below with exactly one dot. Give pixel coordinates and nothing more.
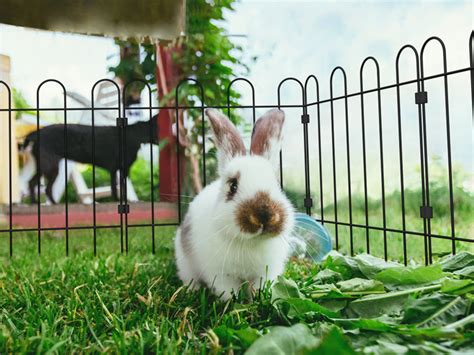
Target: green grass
(126, 303)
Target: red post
(167, 76)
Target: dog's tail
(30, 139)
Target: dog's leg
(51, 178)
(34, 181)
(113, 185)
(27, 173)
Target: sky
(299, 38)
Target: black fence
(313, 197)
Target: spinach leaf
(285, 288)
(246, 336)
(457, 287)
(434, 310)
(297, 307)
(467, 272)
(297, 339)
(360, 285)
(410, 275)
(344, 265)
(370, 265)
(389, 303)
(327, 276)
(457, 262)
(334, 343)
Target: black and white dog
(51, 150)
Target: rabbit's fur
(236, 229)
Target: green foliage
(19, 101)
(140, 175)
(207, 54)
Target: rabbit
(236, 228)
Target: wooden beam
(139, 19)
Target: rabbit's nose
(263, 216)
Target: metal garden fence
(309, 100)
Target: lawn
(135, 303)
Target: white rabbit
(236, 229)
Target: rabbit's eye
(233, 186)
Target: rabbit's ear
(267, 136)
(226, 137)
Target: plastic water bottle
(310, 239)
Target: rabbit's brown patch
(261, 213)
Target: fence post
(4, 141)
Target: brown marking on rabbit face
(261, 214)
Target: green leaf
(284, 288)
(344, 265)
(458, 261)
(434, 309)
(365, 324)
(467, 272)
(297, 307)
(246, 336)
(410, 275)
(388, 303)
(460, 324)
(359, 285)
(335, 305)
(427, 347)
(333, 343)
(327, 276)
(370, 265)
(285, 341)
(457, 287)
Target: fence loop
(253, 96)
(203, 135)
(94, 195)
(381, 150)
(426, 205)
(152, 133)
(38, 160)
(318, 119)
(308, 202)
(302, 91)
(443, 50)
(339, 68)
